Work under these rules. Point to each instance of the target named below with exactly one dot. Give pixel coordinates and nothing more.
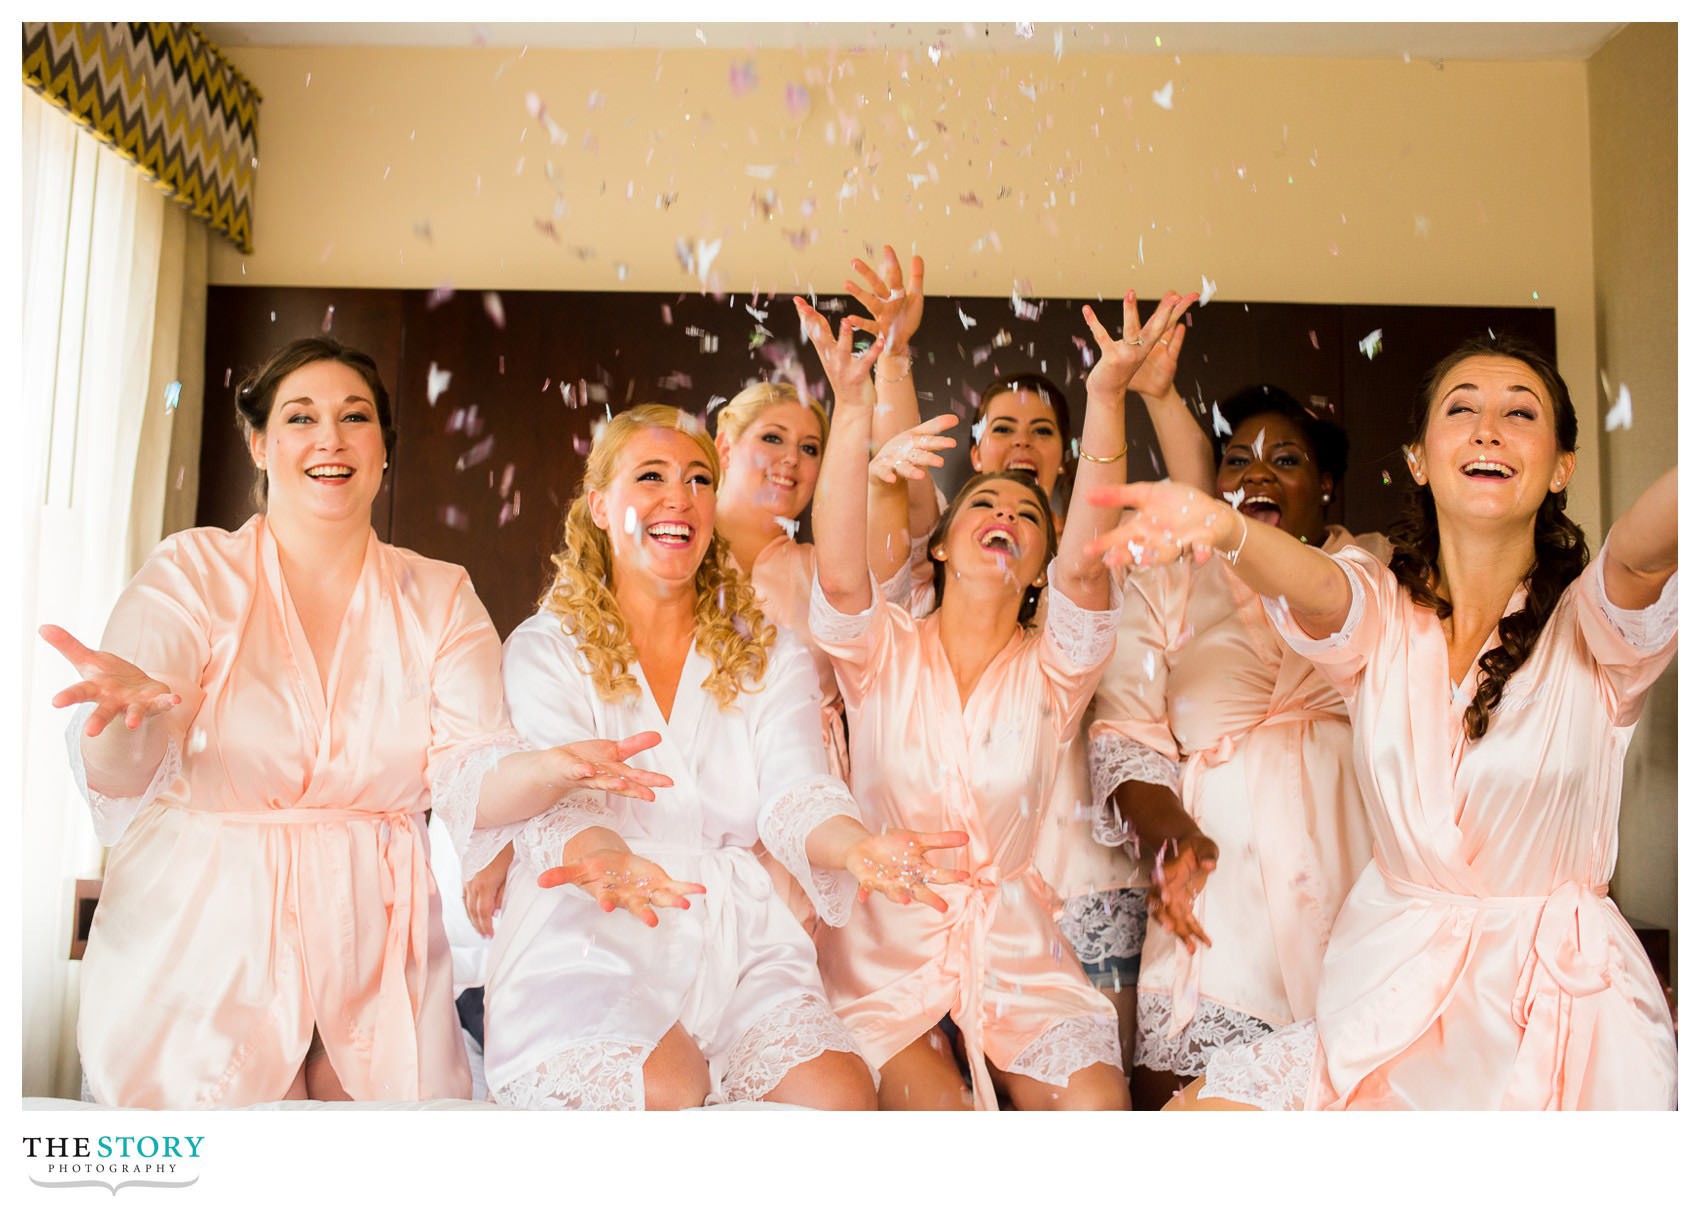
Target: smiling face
(996, 532)
(1489, 449)
(658, 506)
(775, 459)
(1020, 433)
(1269, 469)
(322, 447)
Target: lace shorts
(1107, 932)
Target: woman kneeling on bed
(650, 628)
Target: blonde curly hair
(731, 630)
(737, 414)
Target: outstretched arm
(1640, 553)
(840, 515)
(1172, 521)
(1103, 445)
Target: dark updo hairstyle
(257, 392)
(1030, 598)
(1327, 440)
(1561, 550)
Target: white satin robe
(275, 876)
(1477, 962)
(577, 999)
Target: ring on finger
(1135, 342)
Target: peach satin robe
(1263, 747)
(275, 876)
(924, 760)
(1477, 962)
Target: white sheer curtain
(114, 298)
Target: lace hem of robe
(454, 799)
(538, 845)
(1085, 637)
(1115, 759)
(1105, 925)
(1272, 1073)
(829, 625)
(793, 1032)
(784, 827)
(1213, 1026)
(1067, 1048)
(112, 814)
(598, 1076)
(1648, 629)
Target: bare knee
(1100, 1087)
(1188, 1099)
(675, 1076)
(832, 1081)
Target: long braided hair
(1561, 550)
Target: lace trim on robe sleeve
(112, 814)
(1114, 760)
(455, 788)
(538, 846)
(784, 827)
(1307, 645)
(1646, 630)
(1085, 637)
(830, 626)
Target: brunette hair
(1030, 595)
(1047, 391)
(1561, 550)
(257, 391)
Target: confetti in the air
(1620, 416)
(1165, 96)
(1206, 292)
(796, 100)
(788, 525)
(743, 78)
(173, 390)
(436, 383)
(1370, 345)
(1218, 422)
(1023, 29)
(1386, 478)
(493, 309)
(330, 314)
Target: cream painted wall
(1279, 179)
(1632, 79)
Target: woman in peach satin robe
(294, 696)
(957, 722)
(1209, 734)
(1493, 675)
(1022, 424)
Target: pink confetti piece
(796, 100)
(439, 296)
(476, 455)
(493, 309)
(454, 517)
(742, 79)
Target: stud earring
(938, 554)
(386, 464)
(1327, 497)
(1040, 583)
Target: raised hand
(911, 452)
(1119, 360)
(1176, 881)
(482, 894)
(895, 308)
(1168, 521)
(850, 373)
(1155, 377)
(116, 687)
(598, 765)
(619, 879)
(895, 865)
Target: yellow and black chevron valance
(162, 95)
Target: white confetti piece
(1023, 29)
(1206, 292)
(631, 520)
(493, 309)
(1165, 96)
(1621, 416)
(1218, 422)
(934, 52)
(173, 391)
(1235, 497)
(436, 383)
(1370, 345)
(788, 525)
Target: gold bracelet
(1092, 458)
(1233, 557)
